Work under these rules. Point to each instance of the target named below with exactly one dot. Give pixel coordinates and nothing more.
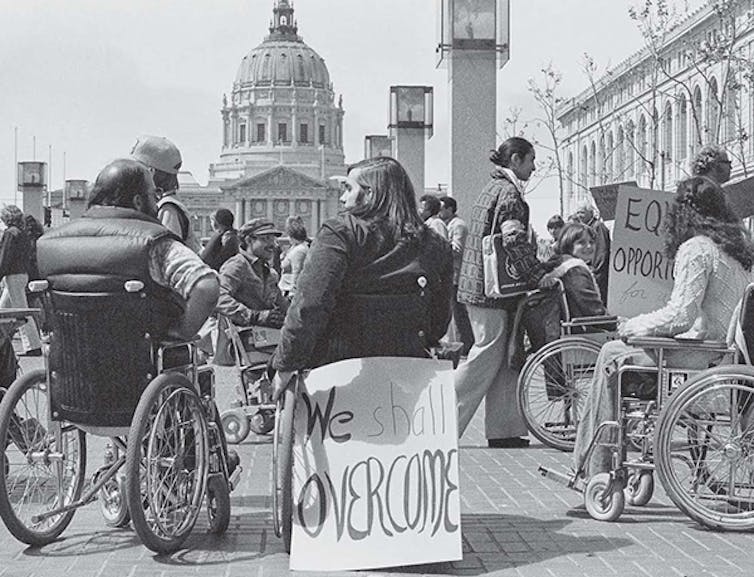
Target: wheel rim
(706, 450)
(44, 466)
(553, 390)
(175, 465)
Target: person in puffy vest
(163, 159)
(119, 239)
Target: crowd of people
(388, 274)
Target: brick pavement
(515, 523)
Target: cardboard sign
(741, 196)
(606, 197)
(375, 466)
(641, 276)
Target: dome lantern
(283, 25)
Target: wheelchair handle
(133, 286)
(38, 286)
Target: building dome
(283, 62)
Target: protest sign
(375, 466)
(606, 197)
(641, 276)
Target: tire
(32, 486)
(282, 458)
(167, 462)
(704, 448)
(112, 502)
(235, 425)
(262, 422)
(600, 506)
(552, 389)
(218, 504)
(639, 488)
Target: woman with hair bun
(487, 373)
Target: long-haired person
(713, 261)
(487, 373)
(376, 281)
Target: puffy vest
(187, 232)
(102, 250)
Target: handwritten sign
(375, 474)
(641, 276)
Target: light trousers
(485, 375)
(14, 296)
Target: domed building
(282, 136)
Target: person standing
(601, 260)
(457, 233)
(164, 160)
(15, 263)
(487, 372)
(430, 213)
(712, 161)
(293, 261)
(223, 243)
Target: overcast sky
(88, 76)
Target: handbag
(501, 280)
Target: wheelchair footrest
(567, 479)
(235, 476)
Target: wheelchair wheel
(166, 463)
(218, 504)
(603, 501)
(639, 488)
(552, 389)
(704, 448)
(235, 425)
(45, 463)
(282, 468)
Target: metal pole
(49, 175)
(34, 147)
(15, 164)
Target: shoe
(508, 443)
(233, 461)
(32, 353)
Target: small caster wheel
(235, 425)
(604, 499)
(639, 488)
(262, 422)
(112, 503)
(218, 504)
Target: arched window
(731, 113)
(609, 157)
(620, 155)
(569, 174)
(593, 164)
(699, 121)
(584, 172)
(681, 130)
(630, 149)
(601, 163)
(641, 145)
(713, 112)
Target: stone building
(282, 136)
(645, 119)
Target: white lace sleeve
(694, 263)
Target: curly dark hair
(700, 208)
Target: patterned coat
(471, 282)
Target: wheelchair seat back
(100, 356)
(746, 324)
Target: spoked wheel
(704, 449)
(552, 389)
(166, 463)
(218, 504)
(639, 488)
(604, 499)
(282, 467)
(235, 425)
(45, 463)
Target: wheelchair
(553, 381)
(253, 409)
(105, 376)
(695, 429)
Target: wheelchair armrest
(169, 343)
(21, 314)
(587, 321)
(679, 344)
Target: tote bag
(501, 280)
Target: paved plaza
(515, 523)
